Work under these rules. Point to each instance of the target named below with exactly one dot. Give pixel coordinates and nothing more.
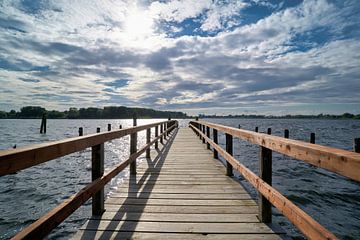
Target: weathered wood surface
(182, 194)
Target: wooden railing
(343, 162)
(14, 160)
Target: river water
(329, 198)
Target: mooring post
(156, 135)
(81, 132)
(43, 124)
(109, 127)
(196, 118)
(357, 145)
(312, 138)
(239, 126)
(133, 147)
(286, 133)
(215, 137)
(97, 171)
(148, 135)
(208, 135)
(120, 127)
(266, 175)
(229, 149)
(256, 129)
(203, 131)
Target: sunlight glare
(138, 24)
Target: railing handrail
(13, 160)
(305, 223)
(345, 163)
(44, 225)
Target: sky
(208, 57)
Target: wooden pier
(182, 190)
(180, 193)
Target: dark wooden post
(196, 118)
(200, 128)
(256, 129)
(286, 133)
(203, 131)
(43, 124)
(215, 136)
(148, 135)
(239, 126)
(168, 125)
(229, 149)
(81, 131)
(97, 170)
(133, 148)
(156, 135)
(165, 128)
(312, 138)
(161, 132)
(109, 127)
(120, 127)
(208, 135)
(269, 131)
(357, 145)
(266, 175)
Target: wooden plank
(182, 209)
(181, 202)
(90, 234)
(183, 195)
(178, 217)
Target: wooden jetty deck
(180, 193)
(181, 190)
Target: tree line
(112, 112)
(297, 116)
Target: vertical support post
(239, 126)
(200, 127)
(161, 132)
(256, 129)
(203, 131)
(357, 145)
(109, 127)
(97, 171)
(148, 135)
(165, 128)
(156, 135)
(196, 118)
(286, 133)
(208, 135)
(168, 125)
(266, 175)
(43, 124)
(133, 148)
(229, 149)
(312, 138)
(120, 127)
(269, 131)
(98, 130)
(215, 137)
(81, 131)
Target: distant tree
(32, 112)
(3, 114)
(73, 113)
(55, 114)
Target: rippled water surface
(330, 199)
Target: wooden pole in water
(109, 127)
(239, 126)
(81, 132)
(120, 127)
(97, 171)
(286, 133)
(266, 175)
(133, 147)
(229, 149)
(43, 124)
(196, 118)
(357, 145)
(256, 129)
(215, 137)
(312, 138)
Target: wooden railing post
(81, 131)
(133, 148)
(148, 135)
(229, 149)
(357, 145)
(286, 133)
(165, 128)
(215, 136)
(161, 132)
(156, 135)
(266, 175)
(97, 171)
(312, 138)
(203, 131)
(120, 127)
(200, 127)
(256, 129)
(208, 135)
(109, 127)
